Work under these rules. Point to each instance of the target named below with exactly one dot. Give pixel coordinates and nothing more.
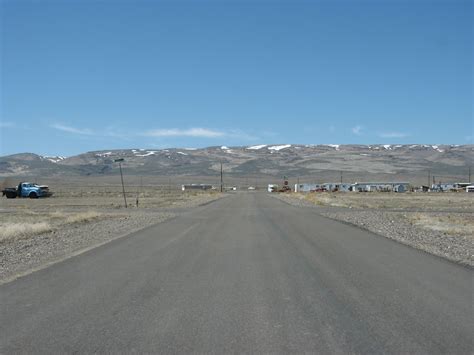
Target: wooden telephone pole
(121, 177)
(222, 181)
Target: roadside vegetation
(25, 218)
(448, 223)
(438, 223)
(27, 223)
(42, 231)
(449, 213)
(387, 200)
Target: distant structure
(337, 186)
(272, 188)
(380, 186)
(307, 187)
(196, 187)
(449, 186)
(357, 187)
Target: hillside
(324, 161)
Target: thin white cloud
(393, 135)
(192, 132)
(196, 132)
(357, 130)
(70, 129)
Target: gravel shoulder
(22, 256)
(399, 226)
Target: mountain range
(295, 160)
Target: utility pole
(469, 175)
(341, 177)
(222, 183)
(429, 178)
(121, 177)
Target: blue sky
(90, 75)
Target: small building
(344, 187)
(399, 188)
(329, 186)
(336, 186)
(307, 187)
(443, 187)
(196, 187)
(380, 187)
(272, 188)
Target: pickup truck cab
(27, 189)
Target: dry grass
(449, 213)
(83, 217)
(373, 200)
(10, 231)
(27, 223)
(110, 198)
(23, 218)
(452, 224)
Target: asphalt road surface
(247, 273)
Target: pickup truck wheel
(33, 195)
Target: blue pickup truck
(27, 189)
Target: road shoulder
(397, 225)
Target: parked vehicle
(27, 189)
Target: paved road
(247, 273)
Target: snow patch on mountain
(151, 152)
(53, 159)
(103, 155)
(279, 147)
(257, 147)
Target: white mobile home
(442, 187)
(196, 187)
(337, 186)
(307, 187)
(380, 187)
(272, 187)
